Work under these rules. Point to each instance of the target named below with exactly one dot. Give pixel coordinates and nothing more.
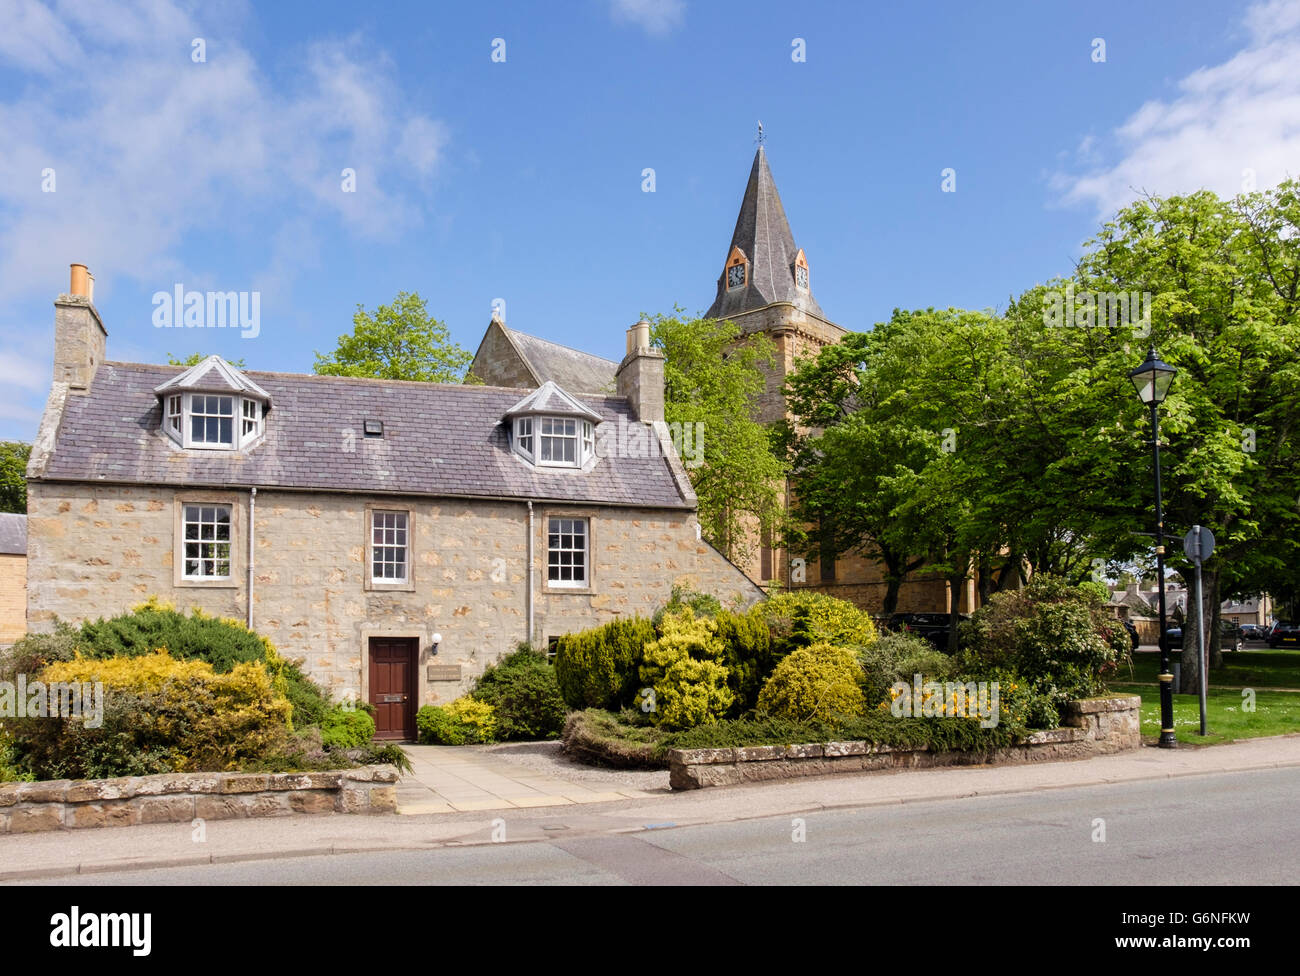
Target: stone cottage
(397, 537)
(13, 577)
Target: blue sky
(522, 179)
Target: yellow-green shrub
(690, 686)
(160, 714)
(813, 682)
(805, 617)
(466, 720)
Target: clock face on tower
(801, 277)
(735, 276)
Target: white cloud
(150, 149)
(1227, 120)
(656, 17)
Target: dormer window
(549, 428)
(213, 406)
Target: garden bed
(1092, 727)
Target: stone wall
(185, 797)
(13, 597)
(97, 550)
(1093, 727)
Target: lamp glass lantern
(1152, 379)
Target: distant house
(398, 537)
(13, 577)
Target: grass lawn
(1276, 713)
(1242, 669)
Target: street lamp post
(1152, 380)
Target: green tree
(399, 341)
(713, 377)
(13, 476)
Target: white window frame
(390, 532)
(250, 424)
(192, 414)
(579, 555)
(175, 415)
(199, 541)
(524, 436)
(547, 442)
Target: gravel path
(545, 757)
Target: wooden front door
(393, 664)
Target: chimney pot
(80, 283)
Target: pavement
(63, 853)
(452, 779)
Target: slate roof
(13, 534)
(763, 233)
(439, 440)
(575, 371)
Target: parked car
(1284, 634)
(1252, 632)
(1229, 636)
(932, 626)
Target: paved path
(449, 779)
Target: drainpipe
(529, 587)
(252, 511)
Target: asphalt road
(1231, 828)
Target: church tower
(766, 286)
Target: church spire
(763, 266)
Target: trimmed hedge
(599, 668)
(813, 682)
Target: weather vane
(760, 132)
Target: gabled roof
(570, 368)
(763, 234)
(13, 534)
(440, 440)
(506, 356)
(550, 399)
(212, 375)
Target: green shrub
(160, 715)
(803, 617)
(813, 682)
(30, 653)
(899, 657)
(221, 642)
(746, 654)
(598, 668)
(683, 670)
(525, 697)
(1060, 638)
(598, 737)
(346, 728)
(464, 721)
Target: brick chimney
(79, 334)
(640, 375)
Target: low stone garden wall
(183, 797)
(1091, 727)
